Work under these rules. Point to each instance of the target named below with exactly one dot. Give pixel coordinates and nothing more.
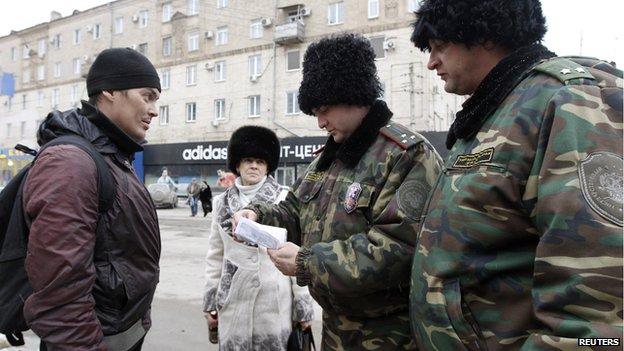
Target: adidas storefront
(202, 160)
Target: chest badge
(351, 198)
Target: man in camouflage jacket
(356, 210)
(521, 244)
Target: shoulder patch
(600, 176)
(411, 197)
(401, 135)
(563, 69)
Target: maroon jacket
(87, 285)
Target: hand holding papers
(260, 234)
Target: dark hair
(93, 99)
(508, 23)
(339, 69)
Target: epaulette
(563, 69)
(400, 135)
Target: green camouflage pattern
(511, 254)
(360, 260)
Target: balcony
(289, 33)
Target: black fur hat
(253, 141)
(509, 23)
(339, 70)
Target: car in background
(163, 195)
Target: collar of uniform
(351, 151)
(125, 144)
(493, 90)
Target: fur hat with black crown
(253, 141)
(339, 70)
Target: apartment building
(223, 64)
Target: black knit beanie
(121, 69)
(339, 70)
(253, 141)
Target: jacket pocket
(461, 318)
(109, 290)
(308, 190)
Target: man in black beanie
(94, 272)
(352, 218)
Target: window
(119, 25)
(142, 48)
(378, 46)
(23, 127)
(57, 69)
(41, 48)
(13, 54)
(25, 52)
(56, 41)
(143, 17)
(219, 109)
(254, 106)
(166, 12)
(220, 71)
(73, 95)
(97, 31)
(222, 3)
(292, 103)
(373, 8)
(76, 36)
(163, 113)
(254, 65)
(193, 41)
(56, 96)
(222, 35)
(191, 75)
(167, 44)
(23, 102)
(255, 30)
(26, 76)
(293, 16)
(41, 72)
(382, 94)
(77, 65)
(40, 97)
(412, 5)
(293, 61)
(165, 79)
(335, 13)
(192, 7)
(191, 112)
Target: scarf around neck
(494, 88)
(234, 200)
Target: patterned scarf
(268, 192)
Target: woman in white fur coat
(256, 305)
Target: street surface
(177, 318)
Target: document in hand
(260, 234)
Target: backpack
(14, 285)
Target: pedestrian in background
(166, 179)
(192, 191)
(356, 210)
(253, 304)
(521, 246)
(94, 275)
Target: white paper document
(260, 234)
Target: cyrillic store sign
(294, 150)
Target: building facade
(223, 64)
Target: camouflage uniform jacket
(357, 223)
(521, 245)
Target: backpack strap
(106, 185)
